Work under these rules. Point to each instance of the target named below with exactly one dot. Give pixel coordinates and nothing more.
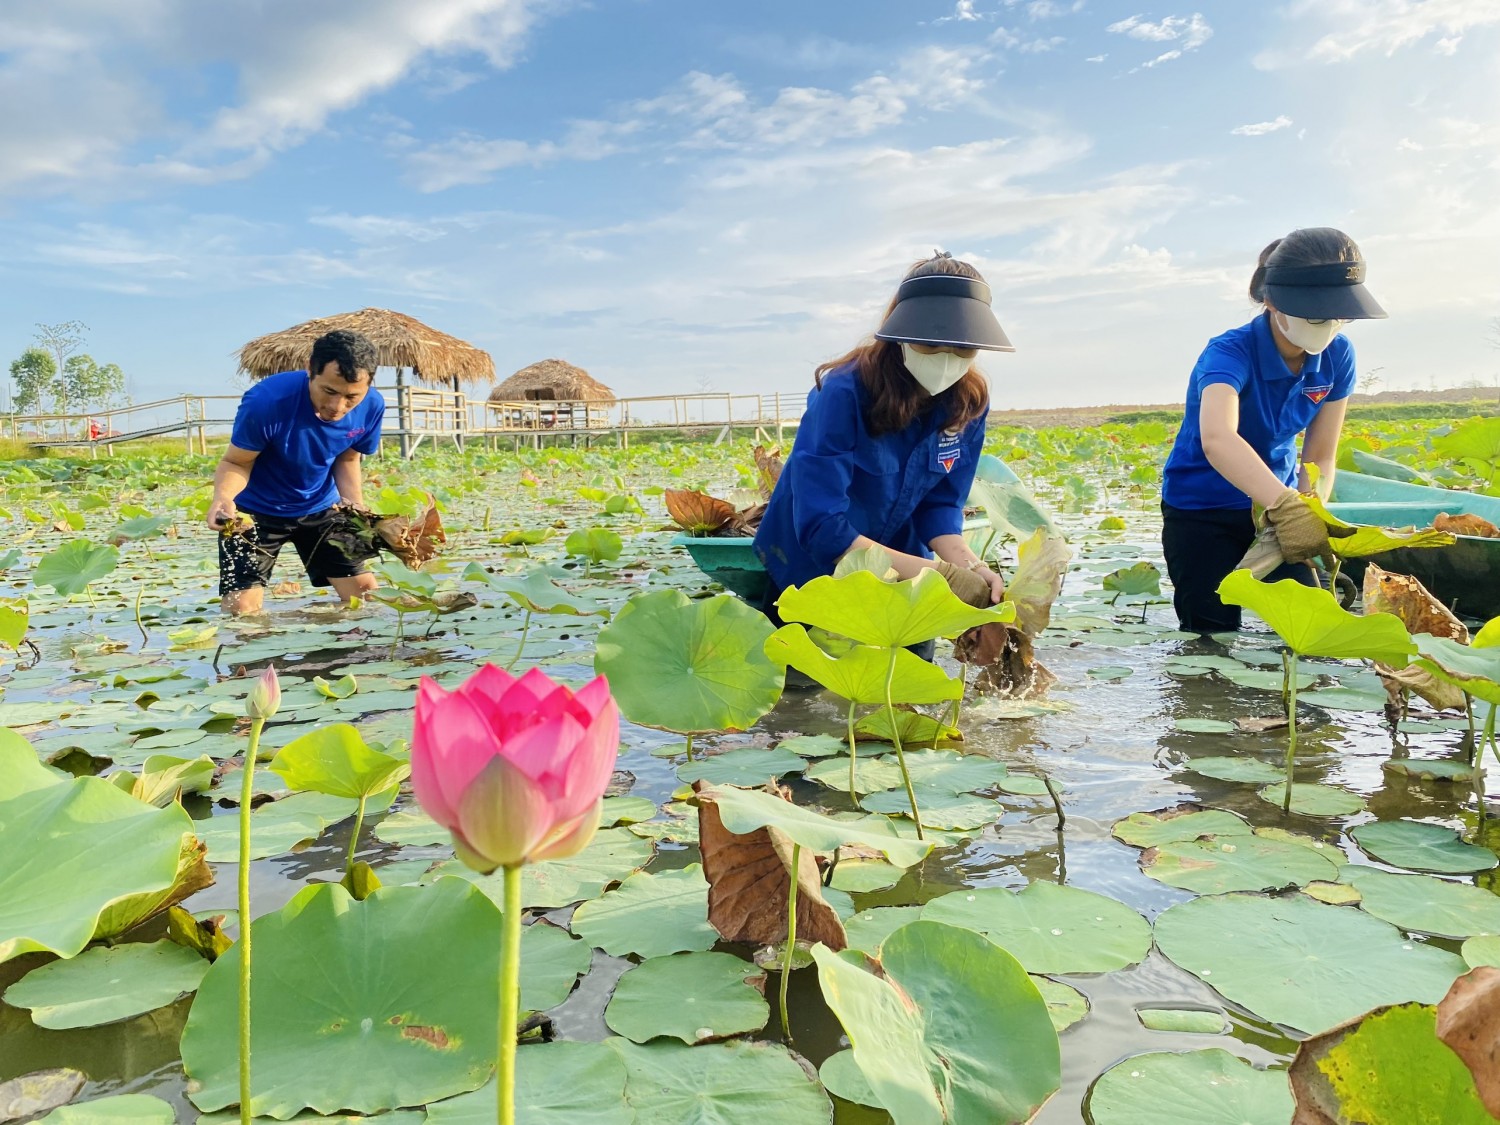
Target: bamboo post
(403, 413)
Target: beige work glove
(965, 584)
(1300, 531)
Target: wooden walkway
(418, 415)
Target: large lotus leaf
(1475, 668)
(1425, 904)
(745, 810)
(75, 564)
(561, 1083)
(350, 1008)
(1418, 846)
(939, 810)
(1311, 622)
(859, 675)
(1488, 636)
(1170, 826)
(1139, 578)
(278, 826)
(1042, 560)
(886, 614)
(597, 544)
(1370, 540)
(1313, 799)
(107, 983)
(948, 771)
(691, 996)
(15, 615)
(1048, 928)
(73, 848)
(1479, 951)
(1215, 865)
(535, 591)
(1205, 1087)
(689, 666)
(650, 914)
(747, 765)
(1388, 1066)
(552, 960)
(335, 760)
(1011, 509)
(734, 1083)
(119, 1109)
(1298, 962)
(951, 1029)
(1477, 438)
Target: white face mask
(1311, 336)
(936, 372)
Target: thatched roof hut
(402, 341)
(552, 380)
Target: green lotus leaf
(1042, 561)
(924, 1033)
(1473, 668)
(745, 810)
(949, 772)
(1369, 540)
(1183, 1021)
(74, 848)
(1425, 904)
(860, 674)
(1011, 509)
(1312, 799)
(871, 775)
(691, 996)
(372, 1022)
(689, 666)
(341, 688)
(1484, 950)
(734, 1083)
(1139, 578)
(1065, 1004)
(1048, 928)
(335, 760)
(535, 591)
(867, 929)
(939, 810)
(118, 1109)
(597, 544)
(1312, 624)
(613, 854)
(562, 1083)
(886, 614)
(650, 914)
(1298, 962)
(1249, 770)
(15, 616)
(1209, 1087)
(164, 777)
(1215, 865)
(915, 728)
(1169, 826)
(1488, 636)
(75, 564)
(106, 984)
(139, 527)
(748, 765)
(1390, 1066)
(1418, 846)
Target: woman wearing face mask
(1254, 391)
(888, 446)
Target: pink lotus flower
(515, 768)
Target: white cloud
(1191, 31)
(1261, 128)
(963, 12)
(1355, 27)
(1096, 58)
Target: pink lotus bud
(265, 697)
(514, 768)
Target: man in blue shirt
(293, 458)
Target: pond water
(1112, 744)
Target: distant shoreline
(1098, 415)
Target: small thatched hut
(435, 358)
(552, 380)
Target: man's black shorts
(325, 541)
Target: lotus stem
(1062, 817)
(791, 938)
(525, 628)
(139, 594)
(359, 820)
(853, 758)
(1489, 737)
(1289, 687)
(1473, 734)
(510, 997)
(890, 710)
(689, 747)
(247, 793)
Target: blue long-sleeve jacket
(901, 489)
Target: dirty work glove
(1300, 531)
(965, 584)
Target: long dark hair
(1310, 246)
(895, 398)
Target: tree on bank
(54, 375)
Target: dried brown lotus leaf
(1466, 523)
(698, 512)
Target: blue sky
(682, 195)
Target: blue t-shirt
(1275, 407)
(901, 489)
(293, 476)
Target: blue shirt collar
(1269, 360)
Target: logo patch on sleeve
(948, 451)
(1317, 394)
